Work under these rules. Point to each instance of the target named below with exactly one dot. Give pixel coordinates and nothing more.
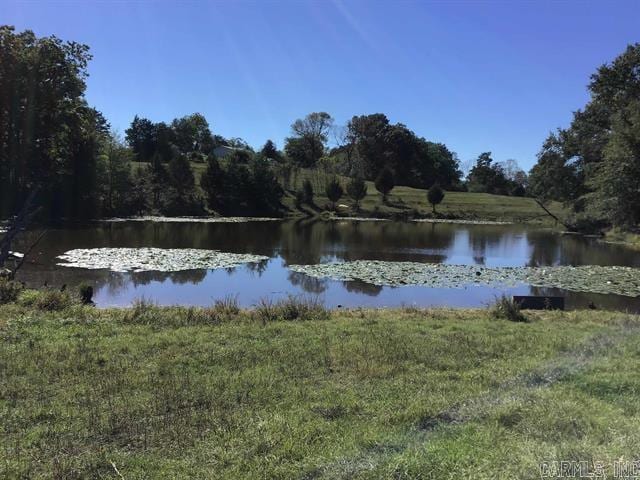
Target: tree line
(593, 165)
(53, 143)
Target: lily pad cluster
(461, 221)
(160, 219)
(154, 259)
(589, 278)
(359, 219)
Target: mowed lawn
(150, 392)
(413, 201)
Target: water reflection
(309, 242)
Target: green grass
(616, 235)
(221, 393)
(407, 201)
(413, 202)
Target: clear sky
(476, 75)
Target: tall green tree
(310, 135)
(307, 192)
(141, 136)
(384, 183)
(192, 134)
(615, 181)
(115, 175)
(334, 191)
(435, 195)
(416, 162)
(586, 164)
(487, 176)
(181, 198)
(265, 192)
(49, 136)
(212, 182)
(270, 151)
(357, 190)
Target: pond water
(307, 242)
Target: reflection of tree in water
(307, 283)
(544, 248)
(258, 267)
(114, 282)
(347, 240)
(180, 278)
(479, 259)
(485, 239)
(358, 286)
(554, 249)
(580, 300)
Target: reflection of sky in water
(275, 282)
(310, 242)
(509, 250)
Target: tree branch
(542, 206)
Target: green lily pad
(154, 259)
(160, 219)
(587, 278)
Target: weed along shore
(289, 389)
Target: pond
(273, 259)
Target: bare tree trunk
(542, 206)
(25, 254)
(17, 225)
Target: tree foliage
(435, 195)
(192, 134)
(385, 181)
(50, 138)
(497, 178)
(241, 188)
(591, 165)
(357, 190)
(378, 144)
(614, 182)
(334, 191)
(270, 151)
(309, 138)
(307, 192)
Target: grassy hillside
(413, 202)
(218, 393)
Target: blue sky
(478, 76)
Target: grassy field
(631, 239)
(413, 202)
(406, 201)
(153, 392)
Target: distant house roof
(224, 150)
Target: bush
(506, 308)
(357, 190)
(334, 191)
(28, 298)
(9, 290)
(385, 182)
(435, 195)
(227, 306)
(53, 300)
(142, 311)
(307, 192)
(85, 292)
(291, 308)
(583, 223)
